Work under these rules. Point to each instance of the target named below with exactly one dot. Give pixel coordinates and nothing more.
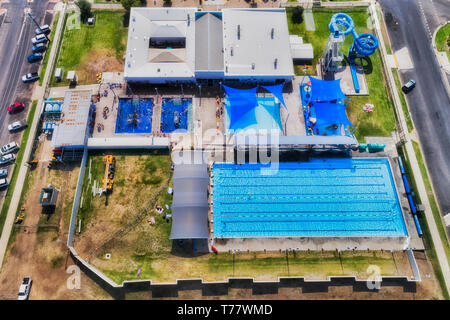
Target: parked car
(7, 159)
(3, 173)
(18, 125)
(24, 290)
(409, 86)
(30, 77)
(3, 183)
(45, 29)
(40, 38)
(16, 107)
(9, 148)
(35, 57)
(39, 47)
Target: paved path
(59, 92)
(442, 258)
(105, 6)
(23, 168)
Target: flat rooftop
(160, 23)
(256, 42)
(71, 131)
(232, 43)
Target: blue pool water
(322, 197)
(169, 107)
(269, 121)
(144, 112)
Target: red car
(16, 107)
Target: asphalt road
(411, 24)
(16, 31)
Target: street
(411, 24)
(16, 31)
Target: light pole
(37, 24)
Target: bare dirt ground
(136, 179)
(98, 60)
(42, 254)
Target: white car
(24, 290)
(8, 148)
(40, 38)
(16, 126)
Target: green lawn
(409, 123)
(428, 241)
(381, 122)
(384, 31)
(47, 53)
(432, 200)
(443, 39)
(258, 265)
(16, 166)
(93, 49)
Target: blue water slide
(341, 24)
(363, 45)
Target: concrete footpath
(442, 257)
(23, 169)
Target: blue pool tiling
(144, 111)
(321, 197)
(184, 109)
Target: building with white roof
(169, 45)
(161, 45)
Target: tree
(128, 4)
(85, 9)
(297, 15)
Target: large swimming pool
(321, 197)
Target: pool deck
(340, 243)
(209, 130)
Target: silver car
(7, 159)
(9, 148)
(24, 290)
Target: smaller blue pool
(134, 115)
(176, 115)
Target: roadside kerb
(4, 238)
(442, 257)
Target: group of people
(100, 126)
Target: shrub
(297, 15)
